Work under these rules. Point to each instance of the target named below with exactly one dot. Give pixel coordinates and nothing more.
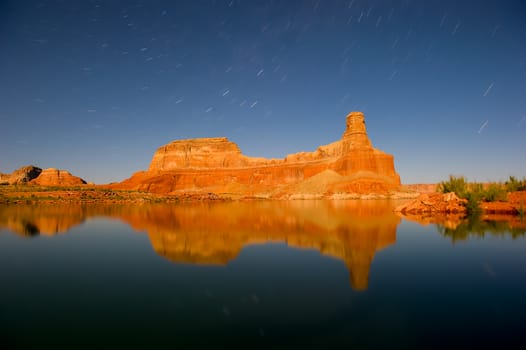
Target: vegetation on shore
(475, 193)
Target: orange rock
(55, 177)
(22, 175)
(217, 165)
(499, 208)
(4, 178)
(517, 198)
(434, 203)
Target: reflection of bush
(473, 227)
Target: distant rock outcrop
(22, 175)
(348, 166)
(55, 177)
(4, 178)
(421, 188)
(32, 175)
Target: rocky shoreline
(450, 204)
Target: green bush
(477, 192)
(495, 192)
(472, 205)
(513, 184)
(454, 184)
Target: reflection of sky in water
(102, 283)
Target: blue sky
(95, 87)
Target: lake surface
(308, 274)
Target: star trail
(96, 86)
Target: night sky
(95, 87)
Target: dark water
(259, 274)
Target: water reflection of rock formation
(215, 233)
(40, 220)
(48, 220)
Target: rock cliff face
(55, 177)
(350, 165)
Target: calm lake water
(310, 274)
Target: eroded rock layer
(350, 165)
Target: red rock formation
(350, 165)
(4, 178)
(36, 176)
(55, 177)
(433, 203)
(22, 175)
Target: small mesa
(56, 177)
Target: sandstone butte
(55, 177)
(348, 168)
(33, 175)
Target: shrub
(454, 184)
(513, 184)
(474, 193)
(495, 192)
(472, 205)
(476, 190)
